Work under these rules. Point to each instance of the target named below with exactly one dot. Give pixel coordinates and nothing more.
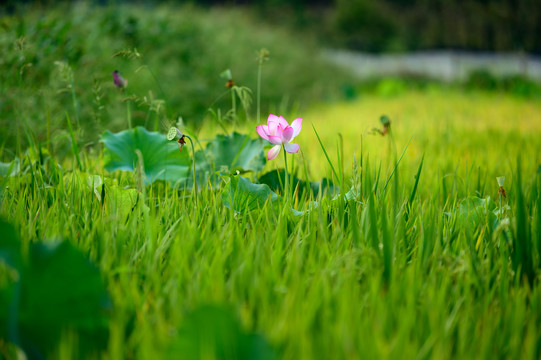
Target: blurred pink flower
(280, 133)
(119, 81)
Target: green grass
(406, 261)
(458, 130)
(349, 278)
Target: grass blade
(395, 167)
(414, 190)
(74, 146)
(327, 156)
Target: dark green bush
(482, 80)
(513, 84)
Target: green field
(108, 250)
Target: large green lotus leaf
(162, 159)
(236, 151)
(61, 289)
(95, 182)
(240, 194)
(121, 202)
(213, 332)
(276, 180)
(474, 211)
(10, 247)
(10, 262)
(231, 152)
(54, 288)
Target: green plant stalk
(234, 107)
(305, 168)
(522, 245)
(141, 202)
(128, 110)
(387, 242)
(190, 135)
(74, 100)
(196, 191)
(244, 104)
(339, 151)
(373, 223)
(409, 204)
(157, 121)
(327, 156)
(74, 146)
(157, 82)
(286, 185)
(395, 167)
(48, 116)
(259, 68)
(18, 127)
(216, 115)
(148, 117)
(501, 208)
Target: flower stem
(74, 100)
(128, 111)
(234, 106)
(193, 162)
(501, 208)
(259, 90)
(286, 182)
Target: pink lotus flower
(280, 133)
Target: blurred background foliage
(408, 25)
(57, 57)
(58, 60)
(395, 25)
(399, 25)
